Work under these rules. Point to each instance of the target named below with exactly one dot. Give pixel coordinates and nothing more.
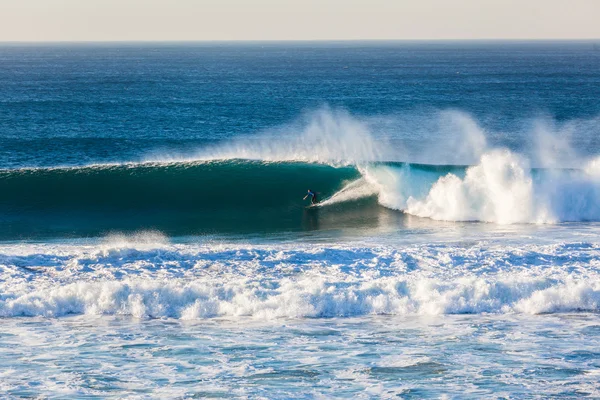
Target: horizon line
(299, 40)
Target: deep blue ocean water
(154, 241)
(82, 104)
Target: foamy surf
(502, 188)
(146, 277)
(306, 297)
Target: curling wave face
(221, 196)
(245, 196)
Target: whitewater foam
(146, 280)
(502, 188)
(306, 297)
(499, 189)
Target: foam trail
(141, 239)
(354, 190)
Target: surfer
(313, 197)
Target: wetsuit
(313, 197)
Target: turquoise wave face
(184, 198)
(198, 186)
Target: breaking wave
(141, 279)
(257, 184)
(254, 196)
(502, 188)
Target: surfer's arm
(304, 198)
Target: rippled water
(460, 356)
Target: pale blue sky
(107, 20)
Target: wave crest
(308, 296)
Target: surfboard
(313, 205)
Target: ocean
(154, 240)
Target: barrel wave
(176, 198)
(255, 196)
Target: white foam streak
(140, 240)
(355, 190)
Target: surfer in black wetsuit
(313, 197)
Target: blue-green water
(154, 241)
(82, 104)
